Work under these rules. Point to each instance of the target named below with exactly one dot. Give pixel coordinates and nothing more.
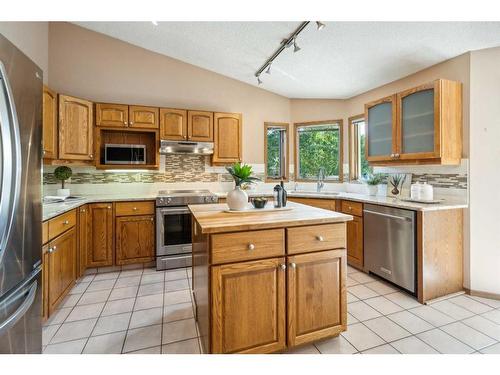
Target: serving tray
(252, 210)
(433, 201)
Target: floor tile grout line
(97, 320)
(130, 319)
(162, 311)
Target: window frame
(286, 156)
(298, 125)
(354, 151)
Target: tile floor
(149, 312)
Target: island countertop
(212, 218)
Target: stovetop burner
(184, 197)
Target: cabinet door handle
(125, 123)
(283, 267)
(83, 210)
(293, 265)
(91, 155)
(251, 246)
(152, 219)
(320, 238)
(54, 248)
(109, 207)
(65, 222)
(131, 123)
(135, 208)
(50, 250)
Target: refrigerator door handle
(21, 310)
(10, 159)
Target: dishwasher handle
(388, 215)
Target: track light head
(259, 81)
(320, 25)
(296, 47)
(268, 70)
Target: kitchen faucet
(321, 179)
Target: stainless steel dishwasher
(389, 244)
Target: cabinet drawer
(352, 208)
(61, 224)
(45, 232)
(135, 208)
(235, 247)
(315, 238)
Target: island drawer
(135, 208)
(61, 224)
(352, 208)
(235, 247)
(315, 238)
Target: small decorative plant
(374, 179)
(242, 174)
(63, 173)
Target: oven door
(173, 234)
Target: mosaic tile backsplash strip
(192, 168)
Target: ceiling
(340, 61)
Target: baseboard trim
(478, 293)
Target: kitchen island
(268, 281)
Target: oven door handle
(163, 259)
(173, 211)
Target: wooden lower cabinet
(61, 267)
(100, 235)
(316, 291)
(45, 282)
(355, 242)
(83, 239)
(248, 307)
(135, 239)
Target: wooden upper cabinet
(135, 239)
(381, 132)
(111, 115)
(76, 135)
(419, 125)
(173, 124)
(430, 122)
(227, 138)
(49, 123)
(316, 295)
(143, 117)
(201, 126)
(248, 307)
(100, 235)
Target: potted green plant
(63, 173)
(372, 183)
(237, 199)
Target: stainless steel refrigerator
(20, 204)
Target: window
(318, 145)
(276, 151)
(358, 165)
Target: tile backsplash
(197, 168)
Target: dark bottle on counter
(278, 196)
(283, 194)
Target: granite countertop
(447, 204)
(213, 218)
(51, 210)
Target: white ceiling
(340, 61)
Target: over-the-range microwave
(124, 154)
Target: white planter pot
(372, 189)
(237, 199)
(63, 192)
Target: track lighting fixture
(296, 47)
(285, 43)
(320, 25)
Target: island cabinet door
(316, 296)
(248, 307)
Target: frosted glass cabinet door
(379, 128)
(418, 122)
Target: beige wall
(91, 65)
(32, 38)
(484, 195)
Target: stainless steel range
(173, 226)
